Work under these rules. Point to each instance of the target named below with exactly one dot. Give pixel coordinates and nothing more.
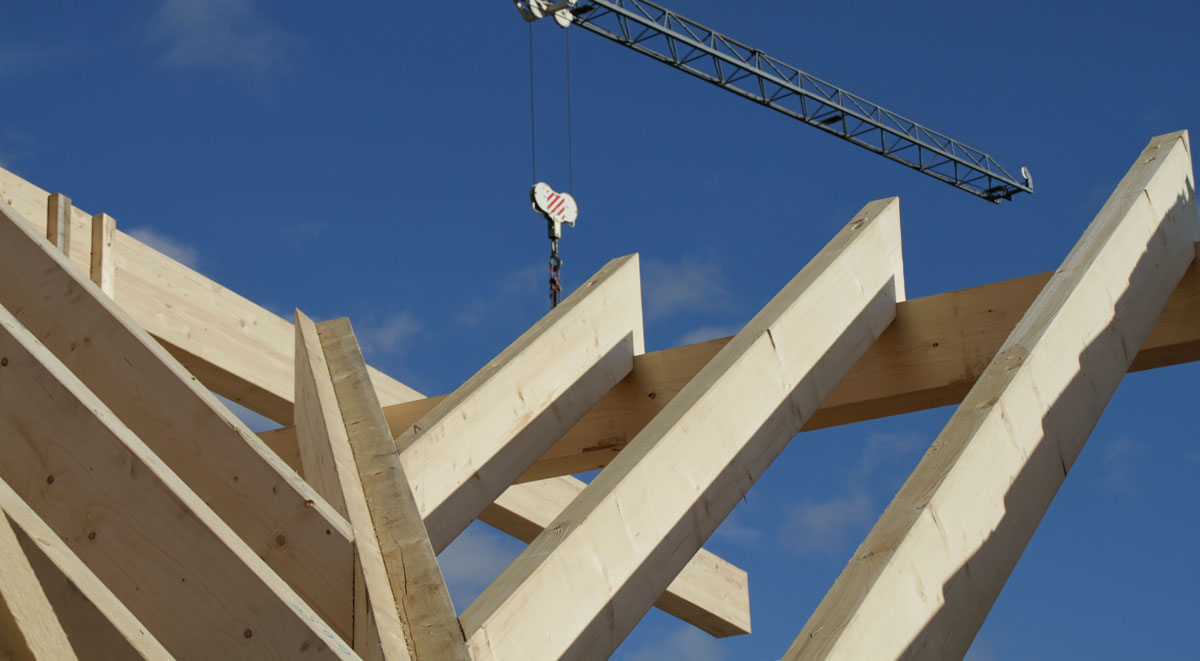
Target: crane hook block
(557, 208)
(532, 10)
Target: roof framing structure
(140, 519)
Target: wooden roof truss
(141, 519)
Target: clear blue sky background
(373, 160)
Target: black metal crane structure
(751, 73)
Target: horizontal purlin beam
(929, 357)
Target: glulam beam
(29, 628)
(474, 443)
(98, 626)
(921, 584)
(590, 576)
(430, 624)
(178, 567)
(270, 507)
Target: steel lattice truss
(751, 73)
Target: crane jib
(749, 72)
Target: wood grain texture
(929, 357)
(471, 446)
(58, 222)
(104, 266)
(422, 600)
(194, 584)
(241, 350)
(230, 344)
(256, 494)
(98, 626)
(379, 632)
(709, 593)
(588, 578)
(925, 578)
(29, 629)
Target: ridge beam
(480, 438)
(172, 561)
(923, 580)
(245, 483)
(584, 583)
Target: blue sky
(374, 161)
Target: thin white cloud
(390, 336)
(685, 643)
(1120, 456)
(706, 333)
(520, 291)
(473, 560)
(831, 525)
(229, 36)
(735, 530)
(691, 284)
(173, 248)
(826, 526)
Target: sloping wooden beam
(379, 632)
(480, 438)
(709, 593)
(421, 597)
(29, 629)
(257, 495)
(106, 630)
(234, 347)
(170, 559)
(239, 349)
(584, 583)
(929, 571)
(929, 357)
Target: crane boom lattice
(749, 72)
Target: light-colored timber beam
(430, 624)
(709, 593)
(273, 510)
(921, 584)
(480, 438)
(929, 357)
(239, 350)
(29, 629)
(97, 624)
(584, 583)
(328, 458)
(194, 584)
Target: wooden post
(419, 591)
(924, 579)
(584, 583)
(58, 222)
(104, 265)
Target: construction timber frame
(139, 518)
